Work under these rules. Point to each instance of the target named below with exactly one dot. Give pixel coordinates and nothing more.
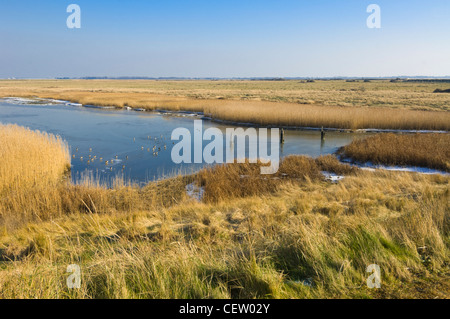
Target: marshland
(296, 234)
(354, 105)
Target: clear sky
(231, 38)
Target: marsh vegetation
(424, 150)
(334, 104)
(295, 235)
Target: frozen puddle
(332, 177)
(195, 192)
(412, 169)
(39, 101)
(369, 166)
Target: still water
(129, 140)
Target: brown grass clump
(234, 180)
(242, 180)
(330, 163)
(425, 150)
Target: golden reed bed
(425, 150)
(334, 105)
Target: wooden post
(282, 136)
(322, 134)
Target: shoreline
(202, 116)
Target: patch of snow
(332, 177)
(40, 101)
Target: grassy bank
(294, 235)
(424, 150)
(309, 239)
(334, 104)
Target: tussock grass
(426, 150)
(225, 182)
(333, 104)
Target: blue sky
(215, 38)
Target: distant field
(337, 104)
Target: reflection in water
(138, 144)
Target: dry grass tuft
(330, 163)
(224, 182)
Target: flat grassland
(331, 104)
(293, 236)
